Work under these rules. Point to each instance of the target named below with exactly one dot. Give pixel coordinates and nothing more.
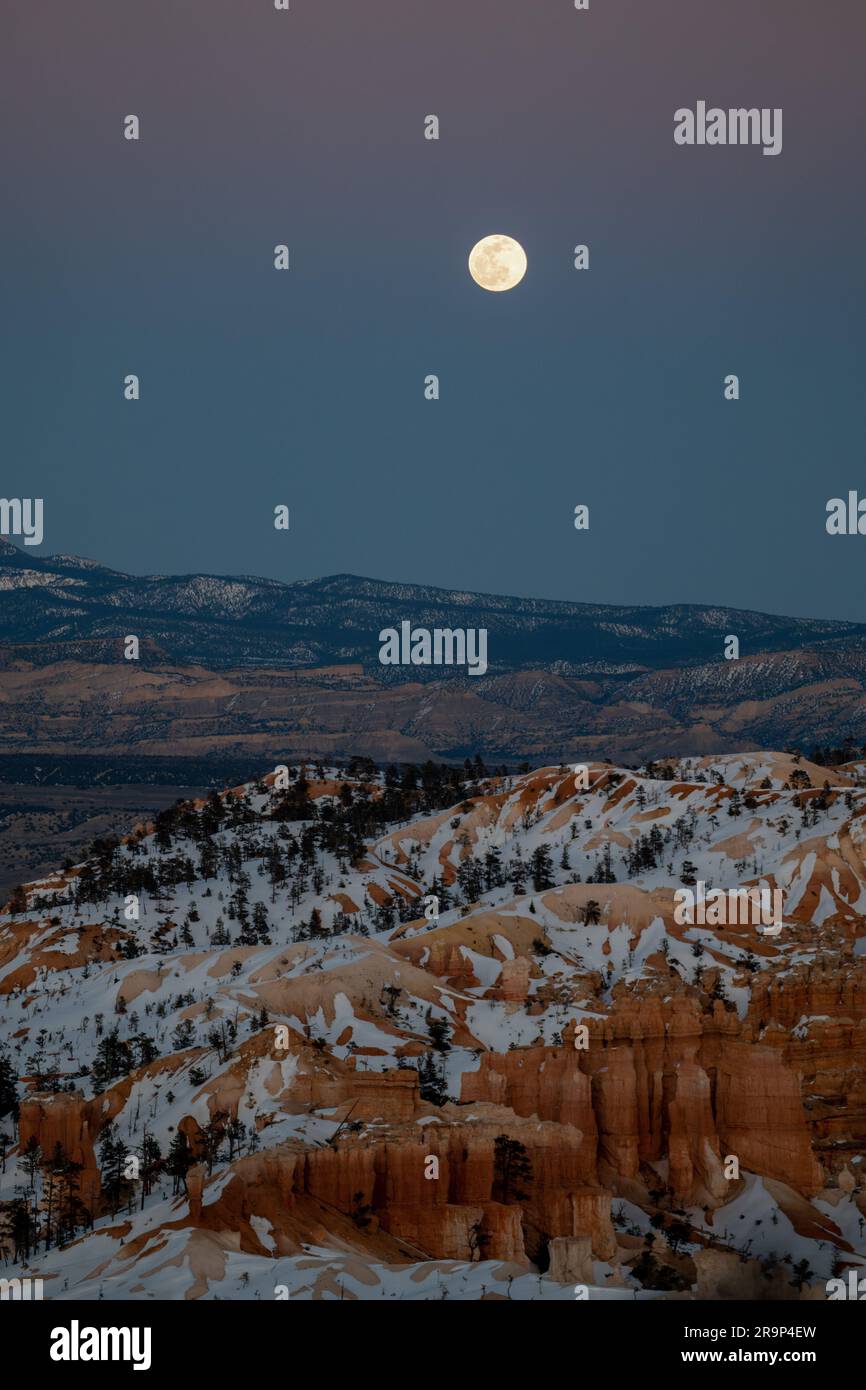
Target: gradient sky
(306, 388)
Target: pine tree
(179, 1162)
(212, 1137)
(50, 1168)
(440, 1033)
(295, 803)
(31, 1160)
(183, 1035)
(261, 925)
(145, 1048)
(17, 901)
(113, 1156)
(541, 868)
(8, 1089)
(511, 1167)
(517, 874)
(219, 1038)
(220, 936)
(236, 1133)
(392, 994)
(22, 1228)
(64, 1210)
(208, 860)
(432, 1080)
(114, 1058)
(151, 1164)
(493, 876)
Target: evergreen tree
(145, 1048)
(511, 1167)
(212, 1137)
(183, 1035)
(8, 1089)
(17, 901)
(517, 874)
(179, 1161)
(470, 879)
(392, 994)
(208, 860)
(260, 1020)
(150, 1162)
(440, 1033)
(113, 1156)
(541, 868)
(31, 1160)
(22, 1228)
(221, 936)
(114, 1057)
(432, 1080)
(261, 925)
(61, 1203)
(219, 1038)
(236, 1133)
(295, 802)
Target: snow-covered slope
(263, 980)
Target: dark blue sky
(307, 388)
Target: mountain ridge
(224, 621)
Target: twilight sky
(306, 387)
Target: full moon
(497, 263)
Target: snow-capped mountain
(222, 622)
(259, 668)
